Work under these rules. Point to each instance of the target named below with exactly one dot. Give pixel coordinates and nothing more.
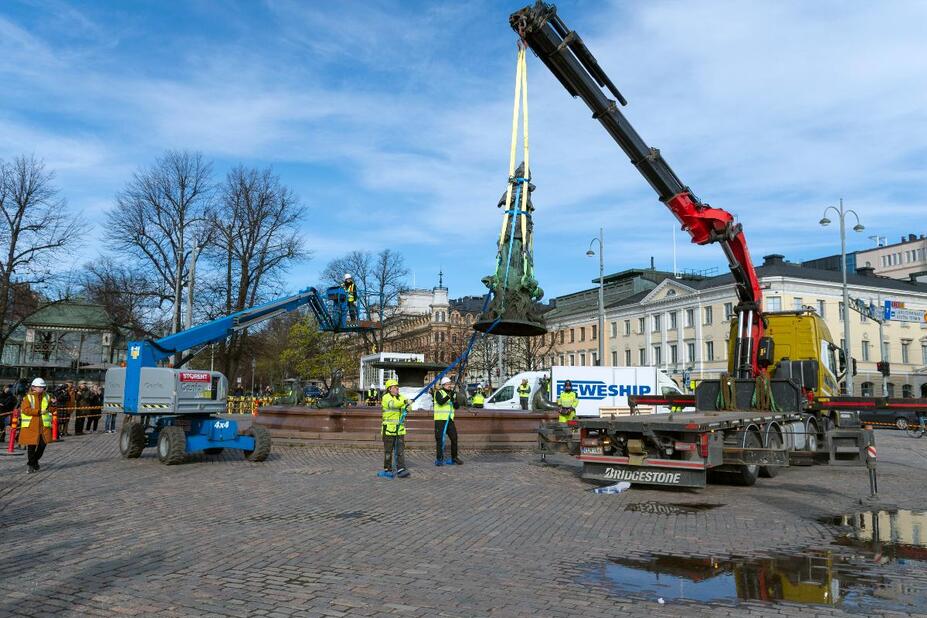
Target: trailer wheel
(746, 475)
(214, 450)
(811, 436)
(132, 439)
(774, 442)
(172, 445)
(261, 444)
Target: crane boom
(571, 62)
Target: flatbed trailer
(682, 449)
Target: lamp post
(590, 253)
(842, 214)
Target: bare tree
(530, 353)
(129, 295)
(36, 230)
(161, 215)
(381, 280)
(257, 239)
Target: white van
(596, 387)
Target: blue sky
(391, 119)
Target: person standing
(7, 405)
(478, 398)
(372, 396)
(524, 393)
(567, 400)
(85, 406)
(35, 423)
(445, 402)
(110, 425)
(394, 405)
(351, 290)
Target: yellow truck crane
(778, 404)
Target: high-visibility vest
(524, 390)
(372, 393)
(478, 398)
(26, 420)
(446, 410)
(351, 289)
(392, 412)
(567, 401)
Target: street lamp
(842, 214)
(591, 253)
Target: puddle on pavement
(875, 566)
(673, 508)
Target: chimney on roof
(773, 259)
(912, 237)
(652, 267)
(865, 271)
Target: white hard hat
(39, 382)
(347, 276)
(445, 380)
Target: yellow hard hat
(390, 383)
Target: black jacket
(442, 397)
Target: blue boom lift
(176, 409)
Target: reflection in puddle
(673, 508)
(876, 566)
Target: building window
(690, 318)
(627, 358)
(905, 352)
(582, 359)
(865, 350)
(657, 355)
(627, 327)
(840, 310)
(821, 308)
(656, 322)
(437, 338)
(642, 357)
(572, 360)
(561, 339)
(773, 303)
(886, 349)
(728, 311)
(923, 354)
(708, 314)
(907, 391)
(614, 329)
(710, 350)
(674, 354)
(614, 358)
(673, 321)
(594, 331)
(866, 389)
(641, 325)
(797, 303)
(891, 389)
(561, 360)
(690, 352)
(595, 358)
(582, 333)
(572, 335)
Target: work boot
(29, 469)
(439, 462)
(448, 462)
(403, 473)
(37, 466)
(385, 474)
(457, 461)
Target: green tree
(314, 355)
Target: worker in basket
(567, 400)
(395, 406)
(351, 290)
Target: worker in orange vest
(35, 423)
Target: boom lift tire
(132, 439)
(774, 442)
(901, 423)
(261, 444)
(172, 446)
(746, 475)
(213, 451)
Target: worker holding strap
(394, 430)
(567, 400)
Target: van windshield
(503, 394)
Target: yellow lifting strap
(521, 105)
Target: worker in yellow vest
(351, 289)
(445, 403)
(372, 396)
(478, 398)
(524, 393)
(35, 423)
(394, 430)
(567, 400)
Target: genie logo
(597, 390)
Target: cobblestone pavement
(313, 532)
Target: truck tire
(214, 450)
(132, 439)
(746, 475)
(261, 443)
(172, 446)
(774, 442)
(811, 436)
